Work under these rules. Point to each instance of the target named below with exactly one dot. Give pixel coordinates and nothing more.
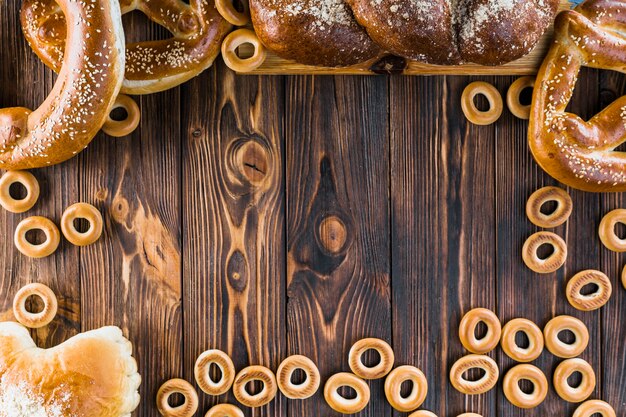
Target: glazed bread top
(345, 32)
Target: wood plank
(337, 225)
(132, 276)
(233, 222)
(527, 65)
(522, 292)
(23, 70)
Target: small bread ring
(423, 413)
(255, 373)
(565, 370)
(236, 18)
(606, 231)
(560, 214)
(624, 277)
(593, 301)
(385, 365)
(552, 262)
(393, 387)
(345, 405)
(81, 211)
(480, 386)
(591, 407)
(559, 348)
(475, 116)
(120, 128)
(535, 340)
(467, 330)
(516, 107)
(469, 415)
(514, 393)
(224, 410)
(29, 182)
(35, 320)
(47, 248)
(177, 386)
(298, 391)
(229, 51)
(203, 366)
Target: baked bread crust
(92, 374)
(444, 32)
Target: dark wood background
(212, 228)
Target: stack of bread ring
(505, 336)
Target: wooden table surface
(269, 216)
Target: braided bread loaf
(347, 32)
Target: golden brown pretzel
(475, 116)
(224, 410)
(35, 320)
(47, 248)
(480, 386)
(467, 330)
(514, 393)
(606, 230)
(377, 371)
(552, 262)
(518, 109)
(81, 211)
(564, 370)
(89, 80)
(345, 405)
(255, 373)
(393, 388)
(592, 301)
(29, 182)
(120, 128)
(197, 32)
(562, 349)
(576, 152)
(177, 386)
(591, 407)
(560, 214)
(535, 340)
(298, 391)
(203, 366)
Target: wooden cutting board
(527, 65)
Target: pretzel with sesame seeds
(197, 32)
(576, 152)
(88, 83)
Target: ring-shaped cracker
(591, 407)
(423, 413)
(593, 301)
(177, 386)
(233, 16)
(472, 113)
(355, 358)
(532, 332)
(519, 110)
(121, 128)
(28, 181)
(224, 410)
(562, 349)
(467, 330)
(35, 320)
(543, 195)
(480, 386)
(203, 366)
(229, 51)
(255, 373)
(606, 230)
(346, 405)
(303, 390)
(564, 370)
(393, 388)
(624, 277)
(552, 262)
(82, 211)
(514, 393)
(47, 248)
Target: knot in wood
(237, 271)
(253, 163)
(119, 209)
(333, 234)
